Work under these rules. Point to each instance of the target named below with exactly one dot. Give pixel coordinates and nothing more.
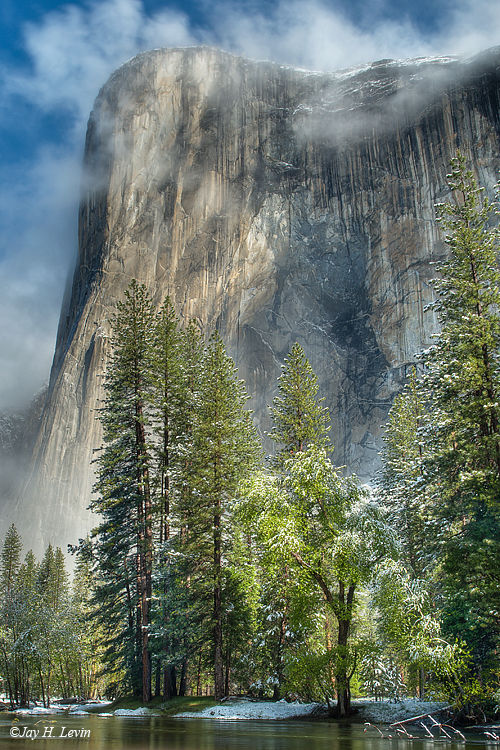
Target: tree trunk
(279, 660)
(198, 679)
(218, 660)
(169, 682)
(342, 676)
(228, 668)
(183, 680)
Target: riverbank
(242, 709)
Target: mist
(71, 53)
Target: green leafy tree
(409, 623)
(325, 527)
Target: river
(94, 732)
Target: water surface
(94, 732)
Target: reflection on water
(158, 733)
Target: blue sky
(54, 56)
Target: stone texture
(276, 204)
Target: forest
(213, 569)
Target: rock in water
(277, 204)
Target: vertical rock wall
(276, 204)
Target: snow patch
(383, 712)
(135, 712)
(36, 710)
(241, 710)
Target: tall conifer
(224, 447)
(462, 368)
(461, 385)
(10, 559)
(124, 473)
(299, 419)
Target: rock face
(276, 204)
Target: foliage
(402, 481)
(177, 441)
(299, 419)
(441, 476)
(462, 374)
(327, 529)
(46, 643)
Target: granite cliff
(277, 204)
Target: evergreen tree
(461, 385)
(299, 419)
(170, 386)
(88, 632)
(19, 613)
(402, 479)
(53, 581)
(125, 536)
(224, 447)
(177, 356)
(10, 560)
(442, 457)
(462, 368)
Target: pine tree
(88, 633)
(224, 447)
(299, 419)
(53, 580)
(456, 478)
(170, 387)
(125, 536)
(462, 368)
(402, 479)
(10, 560)
(462, 387)
(176, 362)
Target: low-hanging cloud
(73, 50)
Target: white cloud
(73, 51)
(312, 35)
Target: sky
(54, 56)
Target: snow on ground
(77, 708)
(39, 710)
(380, 712)
(234, 710)
(376, 712)
(383, 712)
(143, 711)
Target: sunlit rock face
(277, 205)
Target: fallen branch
(373, 726)
(413, 719)
(427, 729)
